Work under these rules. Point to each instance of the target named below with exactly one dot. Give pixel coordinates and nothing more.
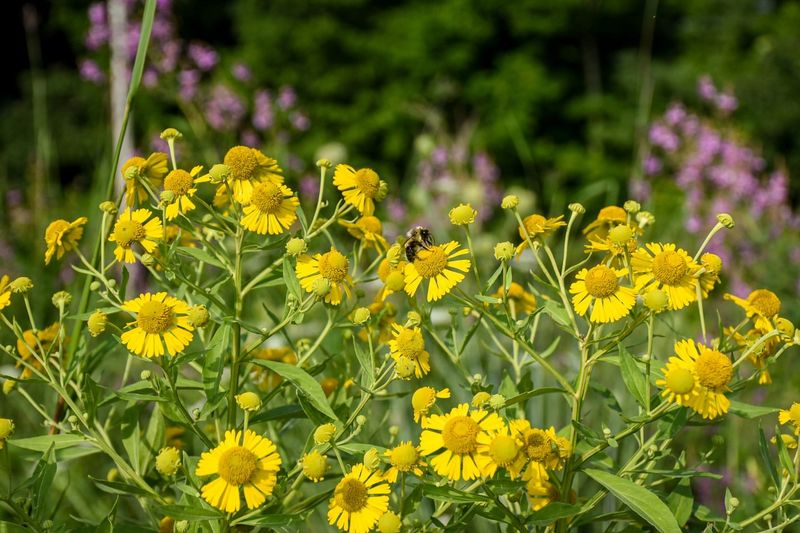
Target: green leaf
(290, 279)
(449, 494)
(117, 487)
(185, 512)
(43, 475)
(42, 443)
(638, 499)
(153, 438)
(533, 393)
(201, 255)
(272, 520)
(557, 313)
(131, 438)
(215, 361)
(365, 360)
(748, 411)
(304, 383)
(552, 512)
(764, 450)
(8, 527)
(680, 501)
(632, 376)
(783, 455)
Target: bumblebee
(418, 238)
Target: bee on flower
(442, 266)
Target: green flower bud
(510, 201)
(577, 208)
(504, 251)
(108, 207)
(170, 134)
(296, 246)
(219, 173)
(168, 461)
(62, 299)
(198, 316)
(726, 220)
(21, 285)
(372, 459)
(361, 316)
(324, 433)
(97, 323)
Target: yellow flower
(359, 187)
(368, 229)
(424, 398)
(666, 267)
(135, 227)
(390, 523)
(712, 265)
(332, 267)
(404, 458)
(540, 446)
(248, 401)
(35, 347)
(153, 169)
(393, 278)
(324, 433)
(503, 451)
(439, 266)
(607, 218)
(520, 300)
(788, 441)
(761, 353)
(62, 236)
(599, 287)
(538, 227)
(181, 184)
(272, 209)
(359, 500)
(5, 292)
(168, 461)
(408, 342)
(6, 429)
(456, 439)
(314, 466)
(697, 377)
(252, 465)
(761, 305)
(539, 488)
(791, 415)
(462, 215)
(618, 242)
(248, 167)
(160, 320)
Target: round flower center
(237, 465)
(669, 267)
(369, 224)
(431, 262)
(503, 449)
(395, 281)
(601, 281)
(535, 224)
(410, 342)
(127, 232)
(333, 266)
(242, 162)
(680, 380)
(368, 182)
(765, 302)
(351, 495)
(404, 457)
(154, 317)
(314, 465)
(423, 398)
(178, 181)
(55, 229)
(460, 434)
(267, 197)
(620, 234)
(538, 446)
(714, 370)
(711, 262)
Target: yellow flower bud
(248, 401)
(577, 208)
(726, 220)
(322, 287)
(389, 523)
(170, 134)
(6, 429)
(296, 246)
(168, 461)
(219, 173)
(394, 254)
(21, 285)
(8, 386)
(108, 207)
(480, 399)
(314, 465)
(510, 201)
(413, 319)
(361, 316)
(198, 316)
(504, 251)
(656, 300)
(324, 433)
(497, 401)
(632, 207)
(324, 163)
(97, 323)
(372, 459)
(620, 234)
(395, 281)
(404, 367)
(785, 327)
(462, 215)
(62, 299)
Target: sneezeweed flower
(480, 399)
(359, 500)
(198, 316)
(392, 276)
(503, 451)
(135, 227)
(424, 399)
(791, 415)
(21, 285)
(168, 461)
(372, 458)
(655, 300)
(390, 523)
(408, 342)
(440, 266)
(540, 446)
(272, 209)
(712, 267)
(296, 246)
(160, 321)
(62, 236)
(6, 429)
(607, 218)
(540, 490)
(368, 229)
(666, 267)
(182, 186)
(5, 292)
(358, 187)
(462, 215)
(520, 300)
(455, 438)
(788, 441)
(678, 381)
(246, 168)
(153, 169)
(34, 347)
(331, 267)
(248, 461)
(405, 458)
(96, 324)
(404, 367)
(509, 201)
(504, 251)
(315, 465)
(761, 306)
(538, 227)
(324, 433)
(618, 242)
(599, 288)
(248, 401)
